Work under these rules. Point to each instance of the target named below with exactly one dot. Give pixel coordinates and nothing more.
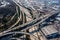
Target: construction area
(29, 19)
